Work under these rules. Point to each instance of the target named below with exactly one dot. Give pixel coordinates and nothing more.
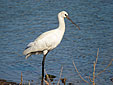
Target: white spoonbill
(48, 40)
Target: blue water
(21, 21)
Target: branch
(60, 75)
(79, 73)
(105, 68)
(90, 79)
(95, 67)
(97, 56)
(48, 83)
(21, 79)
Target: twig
(105, 68)
(97, 56)
(90, 79)
(94, 67)
(60, 75)
(21, 79)
(47, 77)
(94, 74)
(47, 83)
(79, 73)
(29, 83)
(63, 80)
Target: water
(22, 21)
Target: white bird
(48, 40)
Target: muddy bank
(5, 82)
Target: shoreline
(6, 82)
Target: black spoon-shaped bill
(72, 22)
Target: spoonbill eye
(65, 15)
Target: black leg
(43, 68)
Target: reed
(94, 69)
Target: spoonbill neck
(61, 23)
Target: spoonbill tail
(48, 40)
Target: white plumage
(48, 40)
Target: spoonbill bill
(47, 41)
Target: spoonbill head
(64, 14)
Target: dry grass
(21, 79)
(47, 83)
(94, 69)
(60, 75)
(79, 73)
